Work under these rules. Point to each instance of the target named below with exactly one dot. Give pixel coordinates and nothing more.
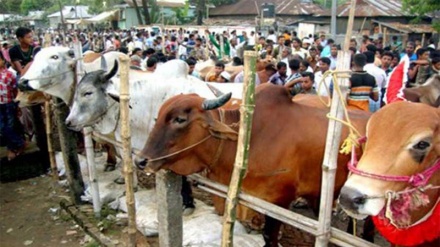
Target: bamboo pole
(244, 136)
(93, 181)
(222, 47)
(384, 41)
(329, 165)
(126, 142)
(49, 136)
(49, 123)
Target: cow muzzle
(23, 85)
(143, 164)
(351, 200)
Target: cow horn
(112, 72)
(211, 104)
(103, 63)
(215, 90)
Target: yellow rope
(354, 134)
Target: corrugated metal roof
(408, 28)
(71, 12)
(282, 7)
(369, 8)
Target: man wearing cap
(224, 77)
(135, 62)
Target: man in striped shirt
(363, 86)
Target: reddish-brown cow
(287, 146)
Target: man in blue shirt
(409, 51)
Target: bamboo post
(49, 124)
(244, 136)
(384, 41)
(126, 142)
(93, 181)
(423, 39)
(329, 165)
(49, 136)
(88, 142)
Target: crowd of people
(298, 63)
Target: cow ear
(114, 96)
(222, 131)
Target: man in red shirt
(8, 112)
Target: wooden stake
(332, 146)
(244, 136)
(49, 136)
(49, 124)
(126, 142)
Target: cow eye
(179, 120)
(421, 145)
(55, 57)
(87, 94)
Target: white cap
(226, 75)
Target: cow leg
(368, 230)
(188, 200)
(111, 157)
(271, 231)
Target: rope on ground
(354, 134)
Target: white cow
(96, 99)
(51, 71)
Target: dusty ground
(30, 215)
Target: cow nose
(351, 198)
(68, 123)
(140, 163)
(23, 85)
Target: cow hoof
(188, 210)
(300, 203)
(119, 180)
(110, 167)
(98, 154)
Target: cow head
(90, 102)
(183, 122)
(403, 140)
(51, 72)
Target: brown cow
(403, 140)
(428, 93)
(287, 146)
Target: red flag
(397, 81)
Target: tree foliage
(10, 6)
(424, 8)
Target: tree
(200, 11)
(11, 6)
(146, 13)
(138, 13)
(423, 8)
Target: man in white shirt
(324, 66)
(378, 74)
(272, 36)
(297, 49)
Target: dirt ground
(30, 215)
